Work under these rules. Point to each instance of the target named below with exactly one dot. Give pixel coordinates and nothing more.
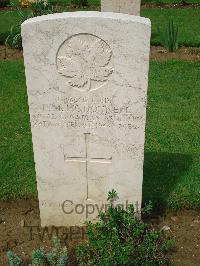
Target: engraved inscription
(81, 112)
(85, 61)
(87, 160)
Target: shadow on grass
(162, 172)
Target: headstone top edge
(88, 14)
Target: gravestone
(131, 7)
(86, 75)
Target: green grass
(172, 155)
(17, 167)
(187, 20)
(7, 20)
(172, 152)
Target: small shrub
(39, 8)
(14, 39)
(120, 238)
(79, 3)
(169, 37)
(38, 257)
(4, 3)
(56, 257)
(13, 260)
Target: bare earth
(157, 53)
(183, 53)
(20, 231)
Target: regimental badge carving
(85, 62)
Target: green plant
(13, 260)
(169, 36)
(42, 7)
(38, 257)
(112, 196)
(120, 238)
(38, 8)
(4, 3)
(14, 39)
(79, 3)
(56, 257)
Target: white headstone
(131, 7)
(87, 75)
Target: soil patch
(183, 53)
(7, 8)
(157, 53)
(9, 54)
(20, 231)
(184, 228)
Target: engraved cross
(87, 160)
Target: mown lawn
(16, 156)
(187, 20)
(172, 150)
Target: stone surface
(131, 7)
(86, 75)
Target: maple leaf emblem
(85, 59)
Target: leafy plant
(56, 257)
(79, 3)
(169, 36)
(13, 260)
(119, 238)
(112, 196)
(38, 257)
(14, 39)
(38, 8)
(41, 7)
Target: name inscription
(83, 112)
